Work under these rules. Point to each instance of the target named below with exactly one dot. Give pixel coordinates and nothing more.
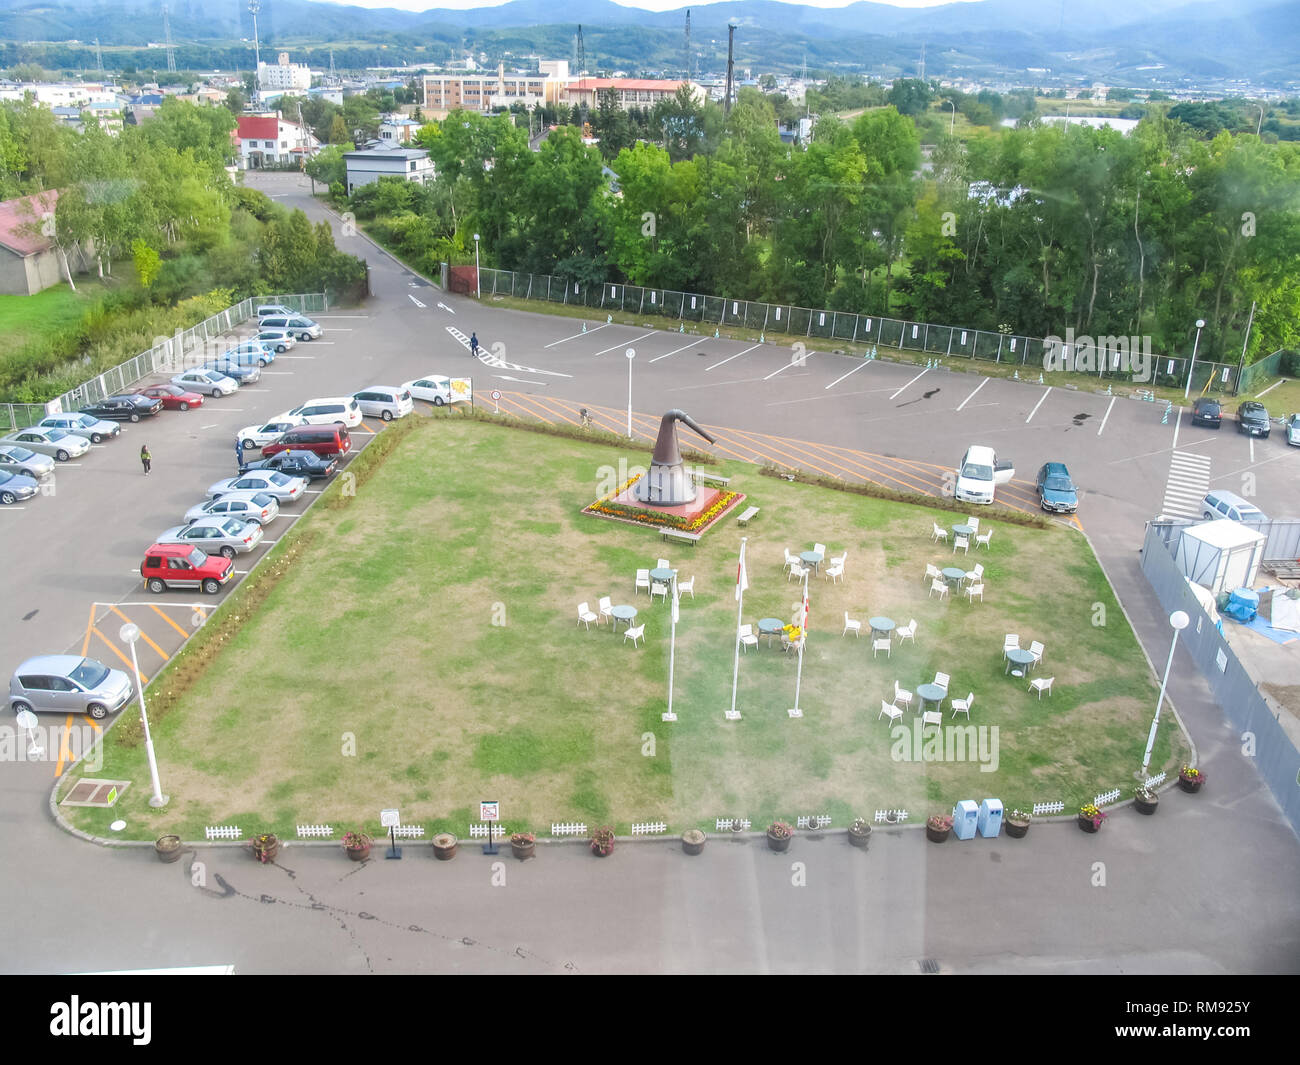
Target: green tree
(147, 262)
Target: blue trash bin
(964, 818)
(990, 818)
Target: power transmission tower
(333, 75)
(254, 6)
(167, 40)
(582, 53)
(731, 40)
(688, 44)
(921, 72)
(99, 58)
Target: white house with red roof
(268, 140)
(29, 261)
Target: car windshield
(232, 527)
(89, 674)
(262, 500)
(196, 558)
(977, 472)
(21, 454)
(280, 479)
(56, 434)
(1057, 483)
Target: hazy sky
(649, 5)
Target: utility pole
(731, 60)
(688, 44)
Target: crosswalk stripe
(1186, 485)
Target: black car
(295, 463)
(1207, 411)
(124, 408)
(1252, 418)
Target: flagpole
(672, 652)
(795, 711)
(740, 613)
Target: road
(1207, 885)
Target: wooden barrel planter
(445, 844)
(266, 848)
(1146, 806)
(937, 835)
(1086, 823)
(1017, 829)
(860, 837)
(1190, 784)
(693, 841)
(522, 848)
(168, 848)
(780, 844)
(358, 853)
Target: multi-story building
(628, 92)
(269, 140)
(398, 129)
(283, 75)
(369, 165)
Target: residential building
(398, 129)
(369, 165)
(628, 92)
(268, 140)
(283, 75)
(28, 259)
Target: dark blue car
(1056, 491)
(242, 373)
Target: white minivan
(384, 401)
(301, 327)
(979, 473)
(343, 409)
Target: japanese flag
(804, 626)
(742, 578)
(675, 601)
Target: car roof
(62, 664)
(980, 454)
(1055, 467)
(170, 549)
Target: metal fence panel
(1281, 536)
(1237, 695)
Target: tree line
(1030, 230)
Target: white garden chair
(962, 706)
(974, 523)
(820, 549)
(686, 586)
(835, 573)
(606, 607)
(976, 575)
(890, 709)
(850, 625)
(973, 591)
(882, 644)
(902, 695)
(938, 532)
(585, 616)
(907, 632)
(939, 585)
(659, 588)
(797, 572)
(747, 637)
(962, 544)
(941, 679)
(1036, 649)
(790, 559)
(1040, 685)
(642, 580)
(982, 540)
(635, 634)
(1010, 642)
(932, 572)
(931, 717)
(663, 564)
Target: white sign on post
(489, 811)
(390, 818)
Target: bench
(745, 517)
(711, 478)
(678, 534)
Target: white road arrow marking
(446, 308)
(415, 301)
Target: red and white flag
(804, 626)
(742, 578)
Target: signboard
(495, 395)
(390, 818)
(462, 390)
(53, 407)
(489, 811)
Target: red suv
(327, 441)
(184, 566)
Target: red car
(173, 397)
(184, 566)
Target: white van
(324, 411)
(385, 401)
(979, 473)
(275, 309)
(301, 327)
(1222, 504)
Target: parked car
(327, 441)
(271, 310)
(1252, 419)
(173, 397)
(280, 339)
(385, 401)
(184, 566)
(285, 488)
(68, 684)
(93, 429)
(330, 409)
(249, 352)
(978, 475)
(208, 381)
(301, 327)
(14, 458)
(242, 373)
(1293, 430)
(258, 436)
(1224, 504)
(1207, 411)
(295, 463)
(218, 535)
(58, 443)
(16, 487)
(257, 507)
(432, 389)
(1056, 492)
(128, 407)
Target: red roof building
(28, 261)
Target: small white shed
(1220, 555)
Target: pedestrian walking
(146, 459)
(473, 345)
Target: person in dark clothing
(146, 459)
(473, 345)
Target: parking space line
(113, 647)
(90, 621)
(977, 388)
(1107, 415)
(158, 610)
(676, 350)
(855, 369)
(730, 357)
(806, 356)
(1036, 405)
(913, 381)
(1251, 440)
(634, 340)
(1178, 421)
(565, 340)
(143, 635)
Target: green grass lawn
(27, 318)
(422, 652)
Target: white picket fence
(1041, 808)
(315, 831)
(481, 831)
(813, 821)
(891, 817)
(729, 824)
(649, 828)
(1155, 781)
(222, 832)
(409, 832)
(1106, 796)
(575, 828)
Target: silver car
(14, 487)
(280, 339)
(207, 382)
(14, 458)
(257, 436)
(222, 535)
(58, 443)
(285, 488)
(1293, 430)
(385, 401)
(257, 507)
(86, 425)
(68, 684)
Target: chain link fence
(785, 320)
(167, 356)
